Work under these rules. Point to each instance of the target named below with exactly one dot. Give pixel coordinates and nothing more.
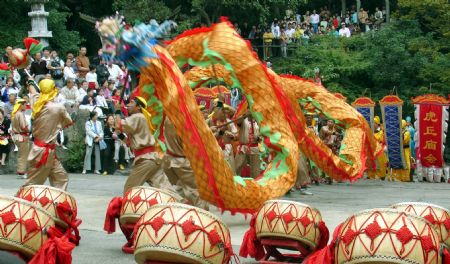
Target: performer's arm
(66, 119)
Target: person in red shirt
(116, 99)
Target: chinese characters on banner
(430, 124)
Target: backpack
(56, 74)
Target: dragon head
(131, 45)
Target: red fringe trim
(190, 32)
(112, 213)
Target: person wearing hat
(48, 118)
(404, 174)
(178, 168)
(381, 163)
(21, 136)
(147, 165)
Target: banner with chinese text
(431, 127)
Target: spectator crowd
(93, 85)
(298, 29)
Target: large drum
(288, 219)
(23, 226)
(178, 233)
(436, 215)
(139, 199)
(387, 236)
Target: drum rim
(183, 206)
(378, 258)
(313, 245)
(391, 210)
(422, 204)
(140, 249)
(294, 202)
(172, 194)
(36, 206)
(49, 187)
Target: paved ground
(336, 203)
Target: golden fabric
(404, 175)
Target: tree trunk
(358, 7)
(388, 10)
(343, 7)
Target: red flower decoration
(136, 199)
(214, 237)
(31, 225)
(271, 215)
(8, 218)
(404, 235)
(189, 227)
(44, 200)
(348, 237)
(152, 202)
(373, 230)
(287, 217)
(447, 224)
(157, 223)
(427, 244)
(430, 218)
(305, 221)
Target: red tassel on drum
(324, 235)
(56, 250)
(63, 210)
(251, 246)
(325, 255)
(446, 256)
(112, 214)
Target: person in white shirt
(9, 89)
(276, 32)
(91, 76)
(70, 94)
(46, 56)
(290, 32)
(94, 134)
(115, 73)
(315, 20)
(101, 101)
(344, 31)
(69, 72)
(82, 91)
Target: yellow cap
(377, 120)
(403, 123)
(47, 86)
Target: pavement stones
(336, 202)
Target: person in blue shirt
(412, 131)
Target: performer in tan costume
(147, 165)
(248, 149)
(178, 168)
(224, 131)
(21, 136)
(48, 118)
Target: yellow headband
(17, 106)
(48, 92)
(143, 105)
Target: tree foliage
(398, 56)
